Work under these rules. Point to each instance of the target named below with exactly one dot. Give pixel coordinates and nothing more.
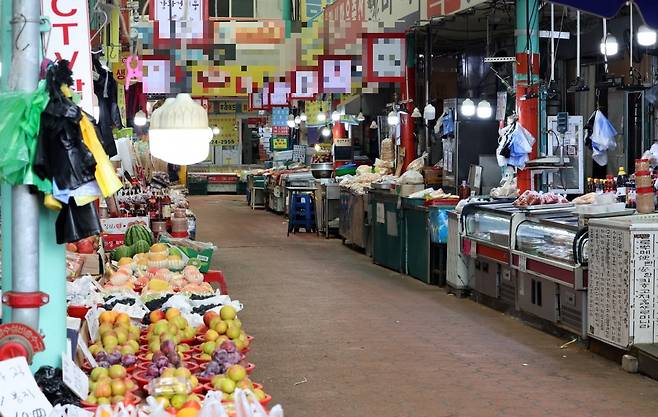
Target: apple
(71, 247)
(221, 327)
(178, 400)
(260, 394)
(156, 316)
(118, 387)
(117, 399)
(98, 373)
(209, 347)
(172, 312)
(192, 403)
(233, 332)
(103, 390)
(117, 371)
(227, 313)
(211, 335)
(92, 400)
(237, 373)
(227, 385)
(103, 401)
(207, 318)
(214, 321)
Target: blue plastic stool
(301, 213)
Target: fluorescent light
(326, 132)
(216, 131)
(140, 119)
(646, 36)
(468, 107)
(393, 119)
(609, 45)
(484, 110)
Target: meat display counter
(486, 238)
(552, 283)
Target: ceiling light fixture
(646, 36)
(393, 118)
(468, 107)
(484, 110)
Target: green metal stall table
(425, 239)
(387, 230)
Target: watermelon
(141, 246)
(138, 232)
(122, 251)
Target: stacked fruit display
(116, 334)
(106, 360)
(175, 389)
(222, 359)
(169, 326)
(236, 377)
(225, 324)
(109, 386)
(138, 239)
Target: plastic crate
(218, 278)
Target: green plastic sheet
(20, 132)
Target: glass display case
(489, 223)
(546, 240)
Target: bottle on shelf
(464, 191)
(622, 179)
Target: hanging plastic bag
(157, 410)
(106, 176)
(603, 138)
(20, 130)
(417, 164)
(247, 405)
(212, 406)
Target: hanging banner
(69, 39)
(385, 57)
(305, 84)
(228, 134)
(336, 74)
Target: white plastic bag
(363, 169)
(411, 177)
(212, 406)
(247, 405)
(418, 163)
(157, 410)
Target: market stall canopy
(610, 8)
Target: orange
(187, 412)
(107, 317)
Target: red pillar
(527, 107)
(338, 131)
(406, 121)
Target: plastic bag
(363, 169)
(387, 150)
(411, 177)
(603, 138)
(212, 406)
(20, 129)
(417, 164)
(247, 405)
(106, 175)
(157, 410)
(52, 385)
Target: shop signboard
(279, 143)
(391, 15)
(228, 134)
(69, 39)
(447, 7)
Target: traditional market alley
(336, 335)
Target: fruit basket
(193, 367)
(130, 399)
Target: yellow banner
(228, 134)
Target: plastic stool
(301, 213)
(216, 277)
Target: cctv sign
(69, 39)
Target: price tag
(74, 378)
(86, 353)
(522, 263)
(20, 396)
(92, 317)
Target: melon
(122, 251)
(138, 232)
(141, 246)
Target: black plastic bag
(52, 385)
(76, 222)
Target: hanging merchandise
(448, 122)
(109, 116)
(601, 137)
(514, 145)
(105, 174)
(20, 127)
(135, 101)
(76, 222)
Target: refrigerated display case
(487, 241)
(552, 284)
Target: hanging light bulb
(468, 107)
(393, 118)
(373, 125)
(416, 114)
(646, 36)
(298, 120)
(291, 121)
(484, 110)
(322, 117)
(216, 131)
(360, 117)
(609, 45)
(139, 119)
(335, 116)
(326, 132)
(179, 131)
(303, 117)
(429, 112)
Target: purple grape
(220, 356)
(228, 346)
(104, 364)
(152, 371)
(129, 360)
(157, 355)
(102, 357)
(161, 362)
(213, 368)
(234, 357)
(168, 346)
(114, 358)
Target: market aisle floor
(339, 336)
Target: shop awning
(610, 8)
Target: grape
(161, 362)
(213, 368)
(101, 357)
(168, 346)
(104, 364)
(228, 346)
(234, 357)
(152, 371)
(129, 360)
(157, 355)
(114, 358)
(220, 356)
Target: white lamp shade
(322, 117)
(216, 130)
(140, 119)
(303, 117)
(393, 118)
(326, 132)
(373, 125)
(360, 117)
(429, 112)
(468, 107)
(416, 114)
(646, 36)
(484, 110)
(335, 116)
(609, 45)
(298, 120)
(179, 132)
